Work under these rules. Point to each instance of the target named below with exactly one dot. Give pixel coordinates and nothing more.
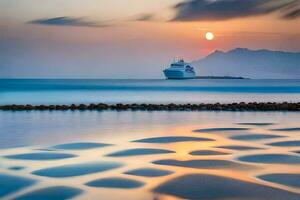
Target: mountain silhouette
(250, 63)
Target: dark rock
(102, 106)
(51, 107)
(82, 107)
(91, 106)
(242, 106)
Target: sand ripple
(211, 187)
(207, 153)
(10, 184)
(41, 156)
(234, 162)
(292, 180)
(149, 172)
(52, 193)
(77, 169)
(172, 139)
(294, 143)
(212, 130)
(80, 146)
(251, 137)
(271, 158)
(114, 182)
(139, 151)
(204, 164)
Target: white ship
(180, 70)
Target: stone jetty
(242, 106)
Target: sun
(209, 36)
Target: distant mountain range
(241, 62)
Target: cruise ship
(180, 70)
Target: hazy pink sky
(104, 39)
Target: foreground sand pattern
(244, 161)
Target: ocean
(60, 91)
(149, 155)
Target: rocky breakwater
(242, 106)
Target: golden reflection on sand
(182, 153)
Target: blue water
(54, 91)
(109, 154)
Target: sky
(134, 38)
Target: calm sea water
(146, 91)
(149, 155)
(143, 155)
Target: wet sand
(230, 159)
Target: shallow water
(60, 91)
(149, 155)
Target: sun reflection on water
(180, 163)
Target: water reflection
(204, 186)
(153, 155)
(52, 193)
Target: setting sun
(209, 36)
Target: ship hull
(174, 74)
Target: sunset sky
(134, 38)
